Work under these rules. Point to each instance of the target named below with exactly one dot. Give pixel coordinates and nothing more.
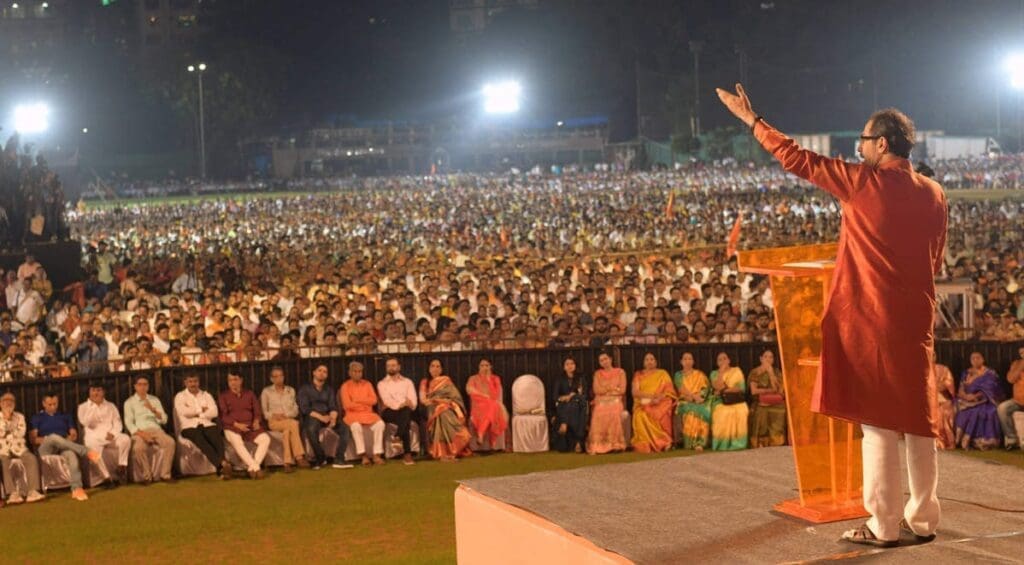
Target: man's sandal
(864, 536)
(905, 528)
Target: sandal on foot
(864, 536)
(905, 528)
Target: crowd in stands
(318, 426)
(32, 203)
(450, 263)
(989, 172)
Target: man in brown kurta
(877, 329)
(242, 419)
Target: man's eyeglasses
(870, 137)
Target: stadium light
(1015, 67)
(31, 118)
(502, 97)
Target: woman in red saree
(654, 398)
(446, 420)
(488, 413)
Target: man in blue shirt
(318, 405)
(54, 433)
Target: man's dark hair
(896, 128)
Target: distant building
(167, 24)
(32, 34)
(398, 148)
(473, 16)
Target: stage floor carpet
(717, 508)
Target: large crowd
(32, 203)
(404, 264)
(447, 263)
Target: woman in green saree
(729, 411)
(694, 408)
(446, 415)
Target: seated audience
(653, 404)
(571, 400)
(281, 410)
(945, 390)
(694, 408)
(769, 421)
(398, 395)
(54, 433)
(144, 418)
(606, 434)
(446, 415)
(729, 411)
(13, 448)
(359, 401)
(487, 410)
(195, 410)
(319, 409)
(103, 427)
(977, 422)
(1009, 407)
(242, 421)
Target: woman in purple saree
(977, 424)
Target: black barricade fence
(508, 364)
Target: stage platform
(716, 508)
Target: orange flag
(668, 207)
(734, 237)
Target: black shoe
(905, 528)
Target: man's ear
(885, 145)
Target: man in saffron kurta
(877, 338)
(359, 400)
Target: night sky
(810, 65)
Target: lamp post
(696, 47)
(199, 70)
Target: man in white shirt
(398, 395)
(195, 410)
(103, 427)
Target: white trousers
(883, 489)
(252, 462)
(122, 441)
(360, 440)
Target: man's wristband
(754, 123)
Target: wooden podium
(826, 450)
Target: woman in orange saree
(446, 415)
(654, 398)
(487, 412)
(609, 388)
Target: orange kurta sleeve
(836, 176)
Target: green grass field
(390, 514)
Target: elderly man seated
(359, 401)
(242, 420)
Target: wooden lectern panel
(826, 450)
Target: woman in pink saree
(487, 411)
(606, 434)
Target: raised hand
(738, 104)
